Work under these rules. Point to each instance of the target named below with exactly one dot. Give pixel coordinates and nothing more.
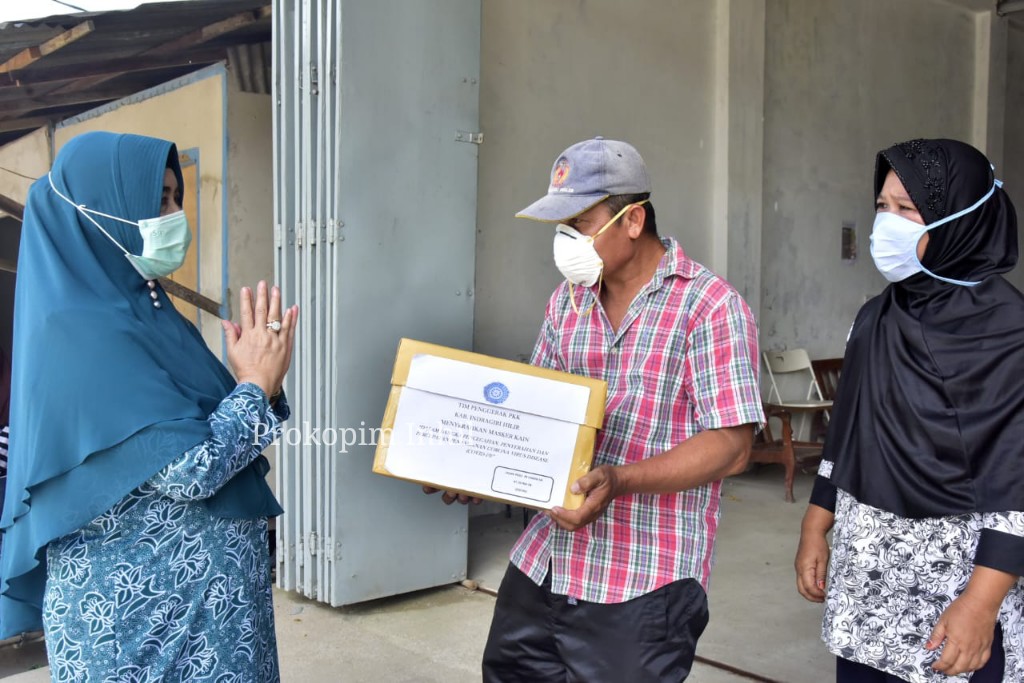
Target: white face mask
(575, 255)
(894, 243)
(894, 246)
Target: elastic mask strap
(617, 216)
(85, 212)
(600, 277)
(963, 283)
(972, 207)
(572, 297)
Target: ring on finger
(274, 325)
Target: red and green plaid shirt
(684, 360)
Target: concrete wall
(190, 112)
(250, 193)
(1012, 171)
(759, 119)
(250, 202)
(842, 81)
(555, 73)
(739, 145)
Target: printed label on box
(522, 484)
(442, 439)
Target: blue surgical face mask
(894, 243)
(165, 240)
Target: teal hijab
(106, 388)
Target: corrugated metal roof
(59, 66)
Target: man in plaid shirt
(616, 590)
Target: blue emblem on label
(495, 392)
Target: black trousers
(992, 672)
(537, 636)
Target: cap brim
(556, 208)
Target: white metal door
(375, 203)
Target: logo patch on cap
(561, 173)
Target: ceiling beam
(30, 55)
(183, 43)
(211, 31)
(11, 108)
(36, 119)
(63, 75)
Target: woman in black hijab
(923, 474)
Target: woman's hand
(256, 353)
(968, 625)
(812, 554)
(968, 628)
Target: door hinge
(465, 136)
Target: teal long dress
(157, 588)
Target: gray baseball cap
(585, 175)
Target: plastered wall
(250, 202)
(1013, 158)
(189, 112)
(22, 161)
(556, 73)
(250, 193)
(842, 81)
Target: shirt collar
(674, 262)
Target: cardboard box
(489, 427)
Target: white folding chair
(796, 364)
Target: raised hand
(260, 346)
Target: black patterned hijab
(929, 413)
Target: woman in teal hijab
(135, 518)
